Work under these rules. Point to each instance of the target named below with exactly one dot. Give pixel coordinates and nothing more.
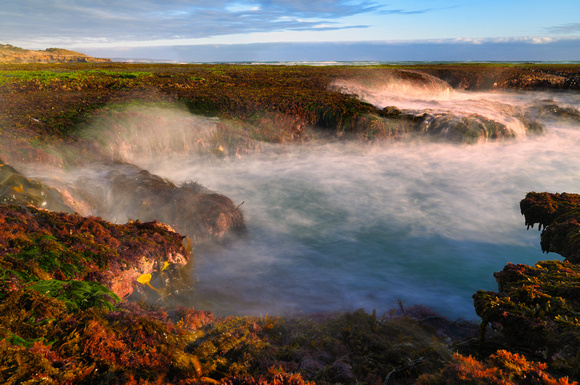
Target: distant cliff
(12, 54)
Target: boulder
(48, 245)
(121, 192)
(15, 188)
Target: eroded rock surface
(559, 215)
(51, 245)
(123, 191)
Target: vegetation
(53, 101)
(65, 279)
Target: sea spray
(338, 226)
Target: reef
(281, 104)
(39, 244)
(87, 301)
(537, 308)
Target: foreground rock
(42, 245)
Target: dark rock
(470, 128)
(17, 189)
(123, 190)
(559, 215)
(551, 110)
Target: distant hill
(12, 54)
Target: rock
(551, 110)
(471, 128)
(483, 77)
(122, 191)
(536, 309)
(559, 215)
(51, 245)
(17, 189)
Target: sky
(299, 30)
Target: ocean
(339, 225)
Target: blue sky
(320, 30)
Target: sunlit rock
(559, 215)
(52, 245)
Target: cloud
(490, 49)
(113, 20)
(565, 28)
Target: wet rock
(553, 111)
(15, 188)
(559, 215)
(470, 128)
(121, 191)
(483, 77)
(572, 82)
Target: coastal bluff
(10, 54)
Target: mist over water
(340, 226)
(337, 226)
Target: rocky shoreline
(83, 300)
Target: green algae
(77, 294)
(537, 308)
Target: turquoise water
(337, 226)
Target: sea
(340, 225)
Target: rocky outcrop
(11, 54)
(122, 191)
(521, 77)
(559, 215)
(58, 246)
(536, 307)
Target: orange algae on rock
(48, 245)
(131, 343)
(537, 308)
(501, 368)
